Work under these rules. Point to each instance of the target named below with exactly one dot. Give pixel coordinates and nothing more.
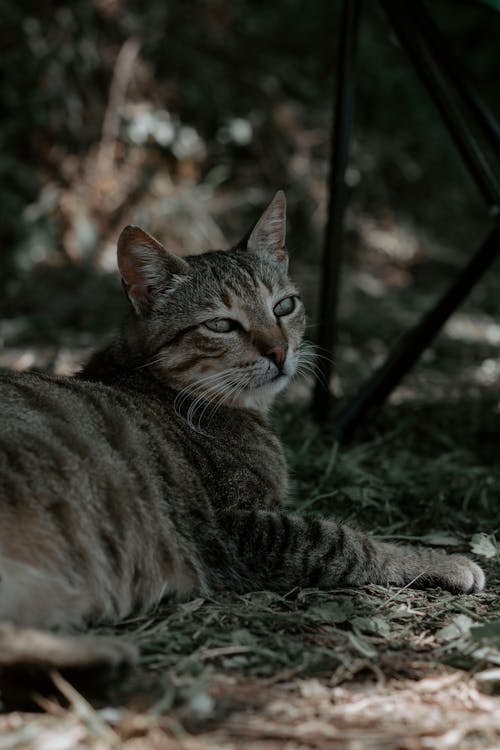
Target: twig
(122, 74)
(398, 592)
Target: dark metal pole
(332, 251)
(413, 343)
(456, 75)
(400, 17)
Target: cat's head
(221, 326)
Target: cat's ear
(269, 234)
(146, 267)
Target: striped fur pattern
(154, 471)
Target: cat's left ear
(146, 267)
(269, 234)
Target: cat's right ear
(146, 267)
(268, 235)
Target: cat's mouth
(276, 379)
(275, 376)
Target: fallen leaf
(484, 545)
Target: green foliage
(493, 3)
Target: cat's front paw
(457, 574)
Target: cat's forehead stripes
(250, 307)
(236, 282)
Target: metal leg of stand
(421, 40)
(448, 63)
(332, 252)
(406, 25)
(413, 343)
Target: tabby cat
(155, 471)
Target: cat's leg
(31, 595)
(279, 551)
(29, 647)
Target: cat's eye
(221, 325)
(285, 307)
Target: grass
(415, 470)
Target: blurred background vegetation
(185, 116)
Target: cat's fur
(155, 470)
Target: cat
(154, 470)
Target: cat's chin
(261, 396)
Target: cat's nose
(277, 354)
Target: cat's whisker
(203, 393)
(231, 391)
(303, 372)
(211, 402)
(311, 364)
(193, 389)
(214, 405)
(317, 355)
(183, 395)
(236, 388)
(150, 363)
(205, 396)
(201, 382)
(201, 399)
(188, 391)
(308, 360)
(308, 348)
(307, 368)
